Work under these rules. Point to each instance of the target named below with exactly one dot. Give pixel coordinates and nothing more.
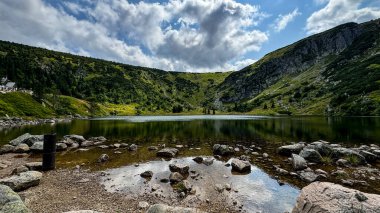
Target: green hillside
(336, 72)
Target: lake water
(258, 190)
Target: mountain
(336, 72)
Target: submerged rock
(334, 198)
(23, 180)
(208, 161)
(167, 152)
(288, 150)
(240, 166)
(10, 201)
(22, 148)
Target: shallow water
(257, 191)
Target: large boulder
(22, 181)
(19, 139)
(37, 147)
(10, 201)
(33, 139)
(240, 166)
(298, 162)
(222, 150)
(167, 153)
(311, 155)
(334, 198)
(180, 168)
(288, 150)
(162, 208)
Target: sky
(175, 35)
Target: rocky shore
(17, 122)
(331, 174)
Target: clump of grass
(352, 159)
(327, 160)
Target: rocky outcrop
(10, 201)
(23, 180)
(320, 197)
(162, 208)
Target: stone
(103, 158)
(87, 143)
(322, 148)
(100, 139)
(321, 172)
(7, 148)
(61, 146)
(343, 163)
(162, 208)
(143, 205)
(222, 150)
(152, 148)
(19, 170)
(180, 168)
(175, 177)
(288, 150)
(10, 201)
(298, 162)
(20, 139)
(155, 187)
(311, 155)
(334, 198)
(265, 155)
(187, 185)
(240, 166)
(208, 161)
(116, 145)
(22, 181)
(147, 174)
(83, 211)
(308, 176)
(74, 138)
(348, 153)
(103, 146)
(22, 148)
(167, 152)
(34, 166)
(132, 147)
(369, 157)
(37, 147)
(281, 171)
(33, 139)
(198, 159)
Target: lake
(258, 191)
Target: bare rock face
(333, 198)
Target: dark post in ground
(48, 157)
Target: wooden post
(48, 157)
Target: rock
(74, 145)
(23, 180)
(361, 197)
(103, 158)
(321, 172)
(265, 155)
(175, 177)
(369, 157)
(147, 174)
(376, 152)
(298, 162)
(33, 139)
(288, 150)
(219, 188)
(116, 145)
(342, 162)
(22, 148)
(7, 149)
(208, 161)
(187, 185)
(348, 153)
(162, 208)
(198, 159)
(322, 148)
(100, 139)
(83, 211)
(37, 147)
(20, 139)
(180, 168)
(240, 166)
(124, 145)
(143, 205)
(179, 146)
(103, 146)
(309, 176)
(311, 155)
(222, 150)
(281, 171)
(74, 138)
(87, 143)
(34, 166)
(167, 152)
(334, 198)
(10, 201)
(61, 146)
(19, 170)
(152, 148)
(132, 147)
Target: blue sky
(180, 35)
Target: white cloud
(183, 35)
(338, 12)
(283, 20)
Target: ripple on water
(257, 191)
